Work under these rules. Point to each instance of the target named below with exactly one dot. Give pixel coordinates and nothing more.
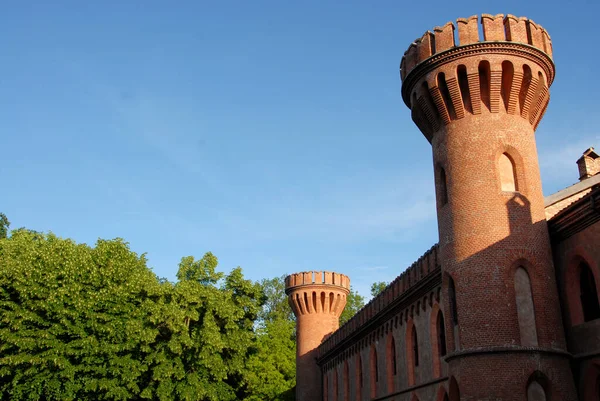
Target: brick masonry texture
(480, 315)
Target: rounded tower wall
(478, 101)
(318, 300)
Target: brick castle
(505, 306)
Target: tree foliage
(378, 287)
(94, 323)
(4, 225)
(354, 302)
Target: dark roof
(577, 216)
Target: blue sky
(271, 133)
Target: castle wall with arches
(399, 355)
(507, 305)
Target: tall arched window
(452, 297)
(437, 329)
(326, 387)
(589, 293)
(453, 312)
(441, 334)
(508, 177)
(346, 381)
(374, 371)
(525, 308)
(535, 392)
(359, 377)
(443, 187)
(415, 346)
(391, 362)
(453, 390)
(335, 385)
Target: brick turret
(317, 299)
(478, 102)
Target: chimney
(589, 164)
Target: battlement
(317, 292)
(495, 28)
(316, 278)
(378, 305)
(510, 71)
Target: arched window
(359, 377)
(589, 293)
(374, 372)
(453, 306)
(346, 381)
(525, 308)
(452, 297)
(335, 385)
(535, 392)
(415, 346)
(325, 387)
(391, 362)
(443, 187)
(441, 334)
(508, 178)
(453, 390)
(437, 329)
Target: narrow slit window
(346, 381)
(393, 355)
(391, 362)
(443, 187)
(415, 346)
(374, 372)
(453, 306)
(359, 377)
(441, 334)
(335, 385)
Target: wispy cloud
(374, 268)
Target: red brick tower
(478, 102)
(317, 299)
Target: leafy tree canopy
(378, 287)
(94, 323)
(354, 302)
(4, 225)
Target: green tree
(378, 287)
(271, 371)
(276, 301)
(354, 302)
(4, 225)
(73, 319)
(205, 356)
(83, 323)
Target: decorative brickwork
(494, 239)
(478, 316)
(317, 299)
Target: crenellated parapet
(452, 72)
(317, 299)
(403, 285)
(317, 292)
